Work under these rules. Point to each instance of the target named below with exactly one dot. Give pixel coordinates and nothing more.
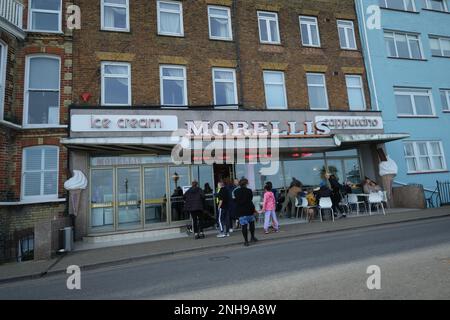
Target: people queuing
(235, 203)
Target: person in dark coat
(194, 204)
(336, 189)
(245, 210)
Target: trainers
(202, 236)
(222, 235)
(246, 244)
(197, 237)
(266, 232)
(227, 235)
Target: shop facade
(136, 180)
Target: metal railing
(12, 11)
(443, 190)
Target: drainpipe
(238, 53)
(369, 55)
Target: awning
(348, 139)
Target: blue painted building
(408, 65)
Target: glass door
(179, 179)
(155, 195)
(129, 198)
(102, 205)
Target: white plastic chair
(326, 204)
(344, 203)
(376, 199)
(352, 199)
(304, 206)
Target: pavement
(120, 255)
(412, 260)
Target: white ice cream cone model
(75, 186)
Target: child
(269, 206)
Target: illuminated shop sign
(351, 122)
(123, 123)
(256, 128)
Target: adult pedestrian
(224, 197)
(194, 204)
(246, 210)
(291, 197)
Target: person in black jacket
(336, 189)
(194, 199)
(245, 210)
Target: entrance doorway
(222, 172)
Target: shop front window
(102, 210)
(309, 172)
(129, 198)
(155, 201)
(179, 179)
(204, 175)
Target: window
(414, 102)
(317, 90)
(403, 45)
(220, 23)
(405, 5)
(275, 90)
(424, 156)
(355, 92)
(309, 29)
(347, 34)
(268, 27)
(3, 65)
(116, 84)
(438, 5)
(440, 46)
(225, 91)
(445, 99)
(173, 85)
(170, 18)
(42, 93)
(45, 15)
(115, 15)
(40, 172)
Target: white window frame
(40, 198)
(446, 93)
(361, 88)
(230, 28)
(412, 92)
(27, 89)
(283, 83)
(387, 34)
(318, 85)
(268, 28)
(233, 71)
(113, 5)
(3, 67)
(103, 75)
(444, 4)
(184, 79)
(404, 5)
(417, 156)
(179, 12)
(309, 24)
(440, 40)
(346, 29)
(30, 18)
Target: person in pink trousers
(269, 206)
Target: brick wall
(146, 50)
(13, 141)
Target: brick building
(36, 91)
(143, 69)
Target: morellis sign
(320, 126)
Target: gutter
(369, 55)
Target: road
(414, 259)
